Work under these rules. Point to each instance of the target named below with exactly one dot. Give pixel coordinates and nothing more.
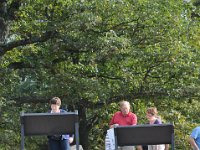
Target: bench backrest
(48, 123)
(144, 135)
(33, 124)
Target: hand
(71, 139)
(114, 125)
(166, 146)
(139, 147)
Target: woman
(58, 142)
(153, 118)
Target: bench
(36, 124)
(144, 135)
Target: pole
(22, 130)
(76, 130)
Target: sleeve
(134, 119)
(195, 133)
(112, 120)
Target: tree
(94, 53)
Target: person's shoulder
(158, 121)
(132, 114)
(197, 128)
(117, 113)
(195, 131)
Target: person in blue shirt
(58, 142)
(194, 138)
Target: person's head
(124, 107)
(151, 112)
(55, 103)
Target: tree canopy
(92, 54)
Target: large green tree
(94, 53)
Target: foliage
(93, 54)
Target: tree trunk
(83, 129)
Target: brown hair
(153, 111)
(55, 100)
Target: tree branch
(37, 39)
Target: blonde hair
(122, 103)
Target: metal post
(22, 131)
(115, 134)
(76, 130)
(172, 141)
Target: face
(55, 108)
(149, 116)
(125, 109)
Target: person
(153, 118)
(58, 142)
(124, 117)
(194, 138)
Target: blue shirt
(196, 135)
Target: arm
(193, 143)
(166, 146)
(112, 126)
(134, 119)
(112, 122)
(139, 147)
